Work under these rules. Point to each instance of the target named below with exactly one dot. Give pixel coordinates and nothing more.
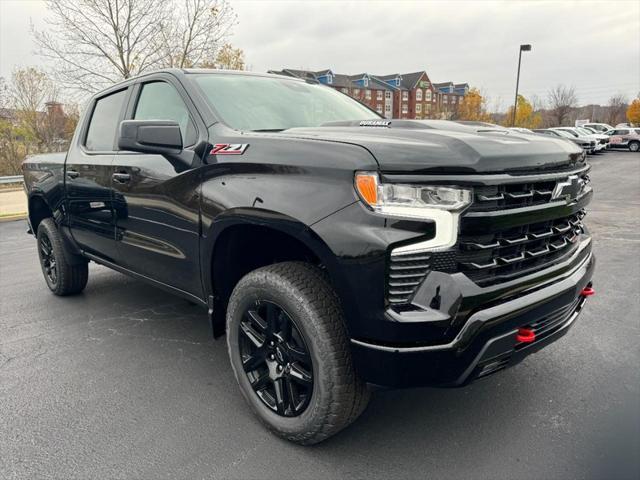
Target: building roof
(388, 77)
(381, 84)
(410, 80)
(341, 80)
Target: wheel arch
(38, 209)
(243, 239)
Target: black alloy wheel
(276, 359)
(48, 259)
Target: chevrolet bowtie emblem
(569, 189)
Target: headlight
(442, 205)
(409, 200)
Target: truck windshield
(265, 103)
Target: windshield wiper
(268, 130)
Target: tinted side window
(104, 122)
(161, 101)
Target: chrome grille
(501, 252)
(517, 195)
(493, 257)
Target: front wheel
(290, 353)
(634, 146)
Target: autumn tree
(12, 148)
(562, 100)
(95, 43)
(526, 117)
(34, 122)
(473, 107)
(230, 58)
(633, 112)
(29, 92)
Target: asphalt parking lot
(123, 381)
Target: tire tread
(349, 394)
(72, 277)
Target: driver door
(157, 201)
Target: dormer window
(329, 78)
(397, 81)
(365, 81)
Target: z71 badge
(228, 149)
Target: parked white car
(603, 138)
(598, 127)
(583, 135)
(588, 146)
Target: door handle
(121, 177)
(73, 173)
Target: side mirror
(150, 136)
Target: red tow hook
(525, 335)
(587, 291)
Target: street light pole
(523, 48)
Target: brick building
(408, 95)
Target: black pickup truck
(335, 249)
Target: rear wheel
(290, 353)
(634, 146)
(64, 275)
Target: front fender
(272, 220)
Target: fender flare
(268, 219)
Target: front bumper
(486, 343)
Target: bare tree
(537, 103)
(30, 88)
(4, 93)
(95, 43)
(196, 33)
(616, 109)
(562, 100)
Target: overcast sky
(594, 46)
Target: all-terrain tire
(70, 274)
(339, 396)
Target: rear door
(157, 202)
(88, 172)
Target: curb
(12, 216)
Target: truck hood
(438, 146)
